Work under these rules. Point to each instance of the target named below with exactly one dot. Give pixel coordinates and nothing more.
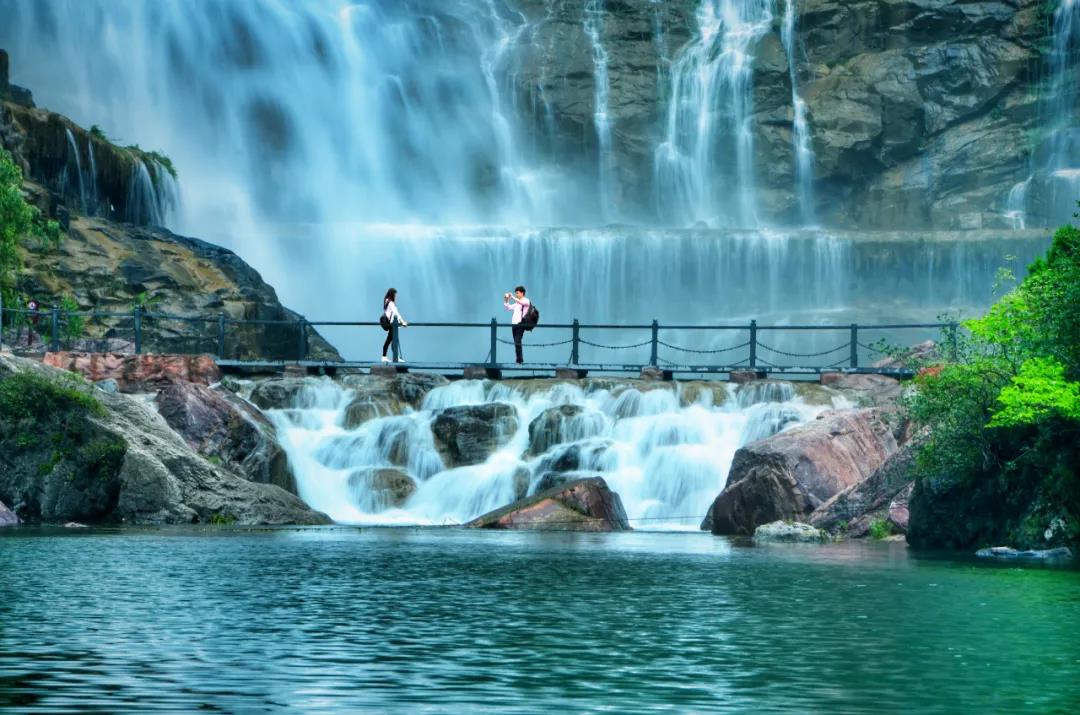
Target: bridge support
(390, 370)
(481, 372)
(655, 373)
(741, 376)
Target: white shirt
(518, 308)
(391, 312)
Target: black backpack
(531, 317)
(384, 322)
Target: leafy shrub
(880, 529)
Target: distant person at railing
(32, 319)
(389, 315)
(517, 304)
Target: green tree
(16, 221)
(1004, 418)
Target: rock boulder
(7, 516)
(789, 531)
(584, 505)
(221, 426)
(470, 434)
(790, 474)
(871, 498)
(121, 462)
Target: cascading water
(594, 29)
(665, 451)
(1051, 191)
(73, 153)
(800, 135)
(152, 194)
(704, 167)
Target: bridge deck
(495, 370)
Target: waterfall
(93, 177)
(665, 451)
(1052, 188)
(804, 154)
(152, 194)
(704, 168)
(594, 29)
(73, 152)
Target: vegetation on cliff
(18, 220)
(1002, 460)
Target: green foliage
(145, 301)
(74, 324)
(1004, 415)
(222, 519)
(98, 133)
(50, 418)
(16, 221)
(880, 529)
(1038, 392)
(158, 158)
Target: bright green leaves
(1038, 392)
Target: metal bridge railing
(748, 346)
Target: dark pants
(519, 332)
(389, 339)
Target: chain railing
(240, 340)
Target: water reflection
(406, 620)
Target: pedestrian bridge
(574, 349)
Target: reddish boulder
(857, 506)
(583, 505)
(138, 373)
(223, 427)
(790, 474)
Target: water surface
(442, 620)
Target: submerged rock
(565, 423)
(1008, 553)
(470, 434)
(377, 488)
(222, 426)
(583, 505)
(789, 531)
(790, 474)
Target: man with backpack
(525, 317)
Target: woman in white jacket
(390, 312)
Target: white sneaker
(401, 359)
(385, 359)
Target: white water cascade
(665, 451)
(594, 29)
(704, 167)
(800, 135)
(1050, 192)
(73, 153)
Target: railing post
(655, 348)
(492, 358)
(301, 340)
(221, 335)
(753, 343)
(55, 319)
(575, 342)
(138, 329)
(394, 347)
(854, 345)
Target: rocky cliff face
(921, 113)
(106, 267)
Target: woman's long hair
(390, 295)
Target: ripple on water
(400, 620)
